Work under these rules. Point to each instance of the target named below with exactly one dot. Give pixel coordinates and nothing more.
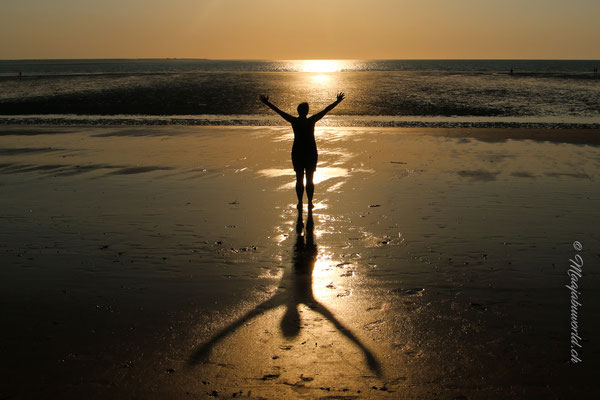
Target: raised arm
(330, 107)
(284, 115)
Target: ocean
(401, 93)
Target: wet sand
(167, 262)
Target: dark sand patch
(139, 170)
(32, 131)
(501, 135)
(478, 175)
(522, 174)
(66, 169)
(496, 157)
(578, 175)
(17, 169)
(135, 133)
(82, 169)
(25, 150)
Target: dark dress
(304, 149)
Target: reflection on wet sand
(440, 266)
(295, 288)
(322, 174)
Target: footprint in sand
(371, 326)
(412, 291)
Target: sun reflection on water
(321, 78)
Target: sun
(319, 66)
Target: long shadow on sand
(295, 288)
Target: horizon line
(301, 59)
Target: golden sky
(300, 29)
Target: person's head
(290, 323)
(303, 109)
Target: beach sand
(165, 262)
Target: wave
(268, 120)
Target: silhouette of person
(304, 149)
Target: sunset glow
(275, 30)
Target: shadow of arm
(202, 352)
(372, 361)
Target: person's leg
(300, 186)
(310, 187)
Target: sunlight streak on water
(321, 78)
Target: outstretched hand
(341, 96)
(264, 98)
